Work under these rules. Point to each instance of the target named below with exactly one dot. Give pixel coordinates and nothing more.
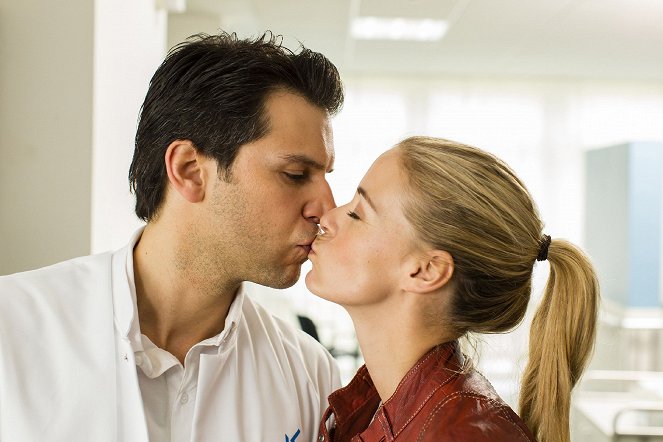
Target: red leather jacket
(440, 399)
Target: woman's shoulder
(468, 408)
(471, 416)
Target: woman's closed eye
(353, 215)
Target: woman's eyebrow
(363, 193)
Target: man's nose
(322, 202)
(328, 222)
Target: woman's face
(362, 254)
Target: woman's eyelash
(353, 215)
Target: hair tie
(543, 251)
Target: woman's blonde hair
(470, 203)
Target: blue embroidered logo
(294, 436)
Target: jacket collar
(124, 300)
(354, 405)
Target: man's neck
(177, 307)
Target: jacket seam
(415, 369)
(444, 382)
(501, 411)
(423, 404)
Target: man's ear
(186, 173)
(428, 272)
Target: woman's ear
(186, 174)
(429, 272)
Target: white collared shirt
(257, 380)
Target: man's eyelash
(296, 176)
(353, 215)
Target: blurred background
(569, 93)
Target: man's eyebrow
(363, 193)
(303, 159)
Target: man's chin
(283, 279)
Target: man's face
(261, 222)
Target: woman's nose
(329, 221)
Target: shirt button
(184, 398)
(139, 360)
(321, 438)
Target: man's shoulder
(72, 268)
(55, 283)
(283, 336)
(263, 322)
(276, 343)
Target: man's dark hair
(211, 90)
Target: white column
(130, 43)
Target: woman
(439, 241)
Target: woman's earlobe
(185, 170)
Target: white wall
(46, 51)
(183, 25)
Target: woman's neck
(391, 346)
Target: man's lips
(313, 246)
(308, 245)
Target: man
(157, 341)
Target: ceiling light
(383, 28)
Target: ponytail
(561, 341)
